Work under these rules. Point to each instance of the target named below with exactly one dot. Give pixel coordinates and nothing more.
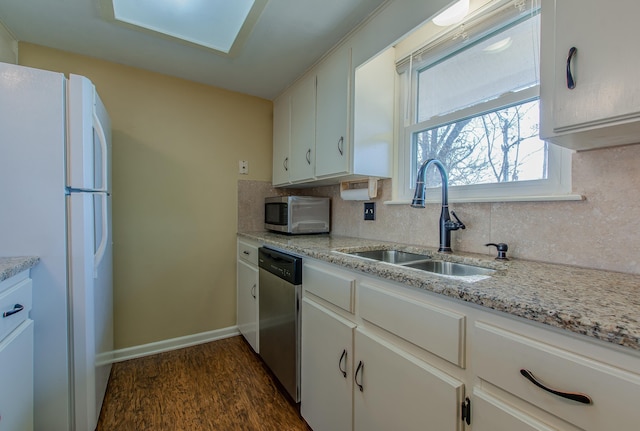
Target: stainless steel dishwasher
(280, 281)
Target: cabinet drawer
(492, 414)
(435, 329)
(248, 252)
(334, 286)
(501, 354)
(16, 302)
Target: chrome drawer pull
(16, 309)
(574, 396)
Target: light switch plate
(243, 167)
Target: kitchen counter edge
(10, 266)
(599, 304)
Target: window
(470, 99)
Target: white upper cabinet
(281, 138)
(315, 139)
(590, 91)
(303, 130)
(332, 114)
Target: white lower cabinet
(16, 375)
(247, 293)
(417, 361)
(581, 390)
(493, 414)
(16, 354)
(353, 378)
(395, 390)
(327, 368)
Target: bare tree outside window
(495, 147)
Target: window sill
(549, 198)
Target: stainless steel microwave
(297, 214)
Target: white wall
(8, 46)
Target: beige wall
(599, 232)
(176, 146)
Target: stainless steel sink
(391, 256)
(450, 268)
(423, 262)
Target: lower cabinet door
(327, 369)
(16, 379)
(492, 414)
(248, 303)
(397, 391)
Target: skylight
(214, 24)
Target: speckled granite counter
(600, 304)
(10, 266)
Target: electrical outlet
(243, 167)
(369, 210)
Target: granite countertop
(600, 304)
(10, 266)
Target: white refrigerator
(55, 203)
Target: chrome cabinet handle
(341, 145)
(16, 309)
(343, 356)
(571, 83)
(574, 396)
(309, 156)
(253, 291)
(285, 163)
(355, 376)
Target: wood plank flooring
(221, 386)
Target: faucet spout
(446, 224)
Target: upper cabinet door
(332, 114)
(604, 68)
(281, 139)
(303, 130)
(589, 81)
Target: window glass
(473, 104)
(506, 61)
(495, 147)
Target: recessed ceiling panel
(214, 24)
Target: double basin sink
(423, 262)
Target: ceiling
(288, 38)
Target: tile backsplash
(600, 232)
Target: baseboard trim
(165, 345)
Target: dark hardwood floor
(221, 386)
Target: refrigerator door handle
(99, 255)
(103, 148)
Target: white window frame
(557, 186)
